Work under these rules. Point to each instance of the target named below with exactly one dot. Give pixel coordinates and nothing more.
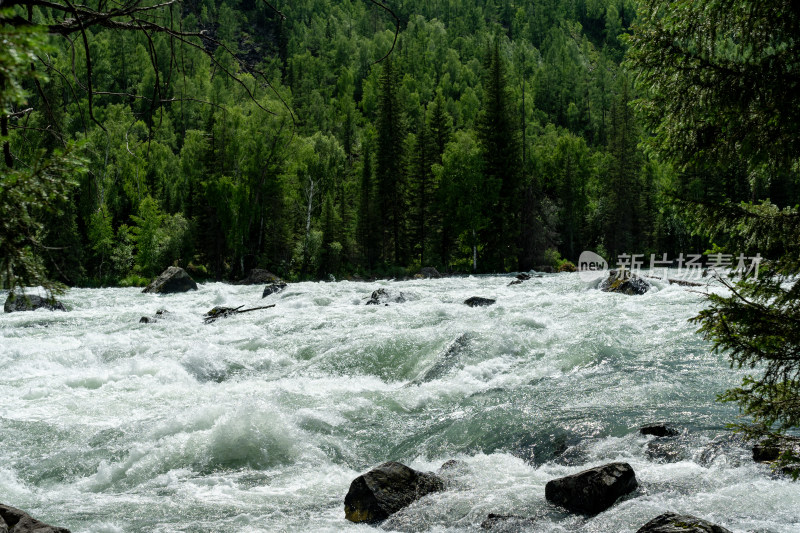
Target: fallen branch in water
(225, 312)
(678, 281)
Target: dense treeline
(496, 136)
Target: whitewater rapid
(259, 422)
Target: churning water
(259, 422)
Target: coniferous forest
(333, 138)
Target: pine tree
(500, 149)
(421, 189)
(621, 187)
(367, 221)
(389, 166)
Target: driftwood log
(224, 312)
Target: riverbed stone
(172, 280)
(386, 489)
(594, 490)
(430, 272)
(624, 282)
(507, 523)
(273, 288)
(677, 523)
(477, 301)
(659, 430)
(13, 520)
(25, 302)
(382, 296)
(259, 276)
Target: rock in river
(259, 276)
(624, 282)
(273, 288)
(30, 303)
(384, 490)
(172, 280)
(592, 491)
(659, 430)
(382, 296)
(675, 523)
(477, 301)
(13, 520)
(430, 272)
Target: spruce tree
(499, 144)
(389, 166)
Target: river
(259, 422)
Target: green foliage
(722, 99)
(361, 166)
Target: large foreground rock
(259, 276)
(592, 491)
(676, 523)
(30, 303)
(172, 280)
(624, 283)
(13, 520)
(383, 491)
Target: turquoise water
(259, 422)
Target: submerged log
(224, 312)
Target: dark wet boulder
(25, 302)
(259, 276)
(523, 276)
(507, 523)
(430, 272)
(515, 282)
(477, 301)
(273, 288)
(13, 520)
(768, 451)
(384, 490)
(676, 523)
(172, 280)
(382, 296)
(147, 320)
(666, 450)
(659, 430)
(624, 282)
(592, 491)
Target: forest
(322, 139)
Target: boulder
(676, 523)
(592, 491)
(666, 450)
(31, 303)
(147, 320)
(172, 280)
(259, 276)
(384, 490)
(477, 301)
(659, 430)
(273, 288)
(523, 276)
(430, 272)
(624, 282)
(515, 282)
(382, 296)
(13, 520)
(507, 523)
